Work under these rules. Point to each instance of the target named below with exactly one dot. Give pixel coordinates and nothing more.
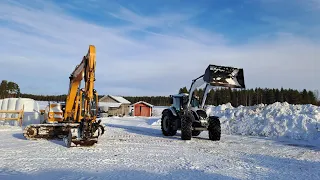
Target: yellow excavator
(74, 121)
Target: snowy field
(279, 141)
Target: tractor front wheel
(167, 124)
(186, 126)
(214, 128)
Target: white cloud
(144, 21)
(41, 47)
(314, 5)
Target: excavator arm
(79, 102)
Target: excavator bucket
(224, 76)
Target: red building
(142, 108)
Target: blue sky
(147, 47)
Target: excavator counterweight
(76, 120)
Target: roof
(143, 103)
(108, 104)
(120, 99)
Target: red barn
(142, 108)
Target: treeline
(255, 96)
(246, 97)
(217, 96)
(53, 98)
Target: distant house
(114, 105)
(142, 108)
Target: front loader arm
(194, 85)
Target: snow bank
(31, 110)
(156, 123)
(157, 110)
(300, 122)
(44, 104)
(276, 120)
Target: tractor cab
(177, 101)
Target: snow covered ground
(133, 148)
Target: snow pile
(275, 120)
(156, 114)
(44, 104)
(300, 122)
(156, 123)
(157, 110)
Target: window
(176, 103)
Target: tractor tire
(196, 133)
(186, 126)
(214, 129)
(166, 124)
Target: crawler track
(48, 131)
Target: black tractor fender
(195, 115)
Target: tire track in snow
(182, 160)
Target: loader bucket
(224, 76)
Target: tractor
(187, 112)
